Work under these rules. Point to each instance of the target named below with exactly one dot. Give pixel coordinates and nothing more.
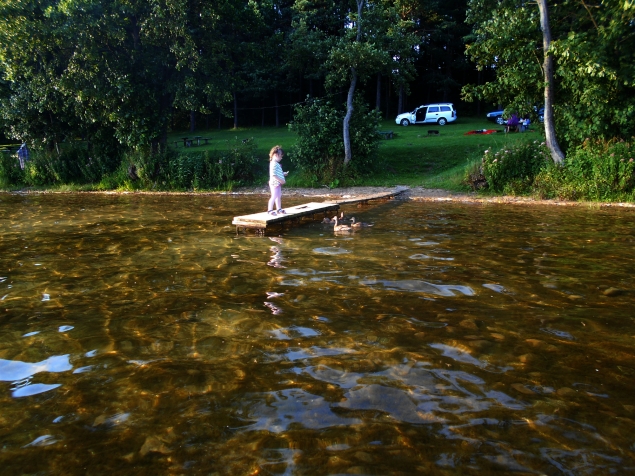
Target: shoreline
(419, 194)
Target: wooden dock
(366, 198)
(261, 222)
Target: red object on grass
(482, 131)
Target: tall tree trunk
(351, 92)
(378, 93)
(192, 121)
(235, 110)
(347, 119)
(550, 131)
(400, 104)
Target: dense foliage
(113, 72)
(138, 169)
(513, 169)
(594, 170)
(121, 73)
(594, 51)
(318, 153)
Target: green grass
(411, 158)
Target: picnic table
(385, 134)
(189, 141)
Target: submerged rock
(519, 387)
(611, 292)
(469, 324)
(154, 445)
(565, 392)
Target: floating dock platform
(262, 222)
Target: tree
(547, 68)
(318, 151)
(592, 52)
(354, 56)
(351, 90)
(112, 69)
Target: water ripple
(313, 352)
(331, 251)
(279, 410)
(557, 333)
(44, 440)
(418, 286)
(12, 370)
(33, 389)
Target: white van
(440, 113)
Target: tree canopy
(122, 73)
(593, 51)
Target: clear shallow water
(139, 334)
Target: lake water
(141, 335)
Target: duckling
(359, 224)
(340, 227)
(328, 221)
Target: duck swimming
(340, 227)
(359, 224)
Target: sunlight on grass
(413, 157)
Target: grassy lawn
(412, 157)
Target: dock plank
(366, 198)
(262, 220)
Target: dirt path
(421, 194)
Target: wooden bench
(385, 134)
(189, 142)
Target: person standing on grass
(23, 155)
(512, 123)
(276, 181)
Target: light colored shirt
(275, 173)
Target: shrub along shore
(458, 162)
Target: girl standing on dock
(276, 180)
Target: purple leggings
(275, 202)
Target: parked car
(439, 113)
(497, 116)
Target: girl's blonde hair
(274, 150)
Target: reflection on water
(142, 332)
